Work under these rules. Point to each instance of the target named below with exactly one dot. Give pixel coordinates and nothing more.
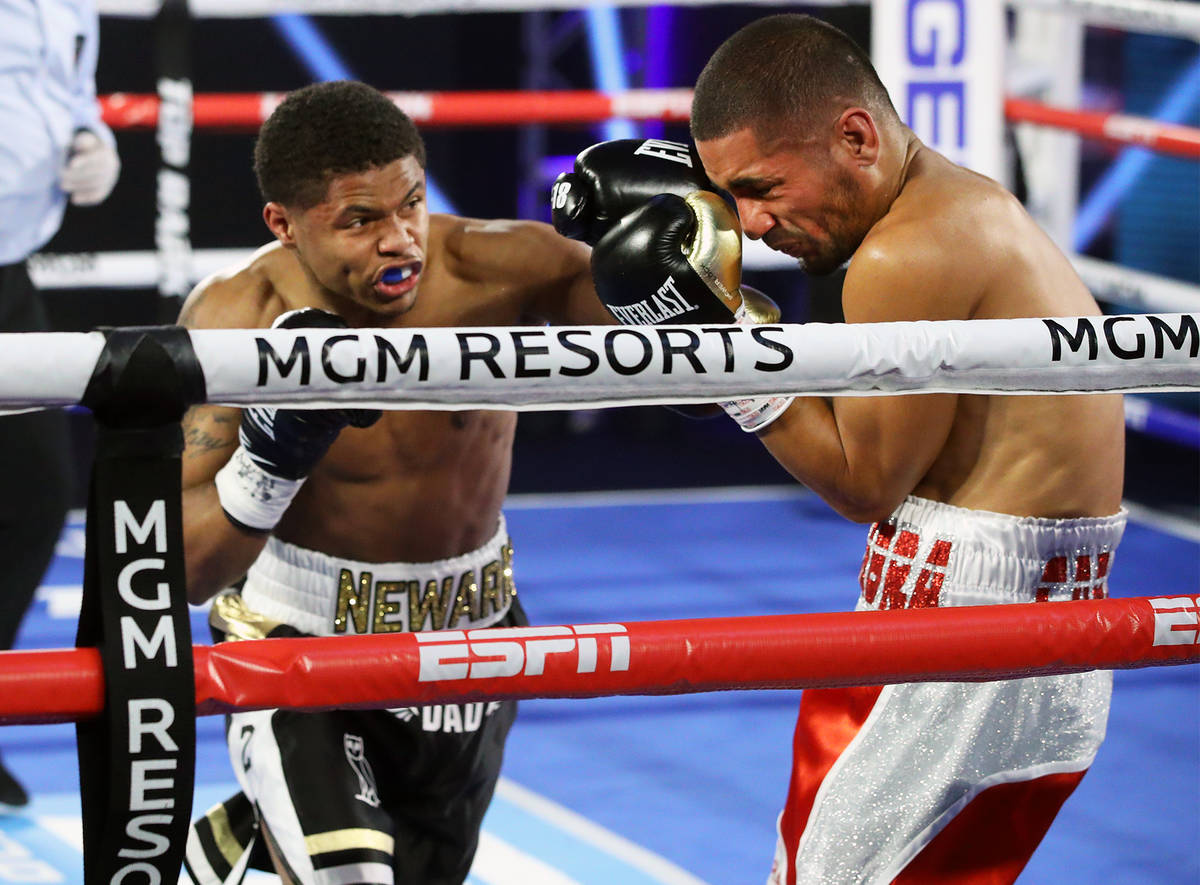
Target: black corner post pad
(146, 376)
(137, 759)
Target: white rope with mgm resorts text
(546, 367)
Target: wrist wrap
(251, 497)
(756, 412)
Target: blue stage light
(608, 61)
(1120, 177)
(324, 63)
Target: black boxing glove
(613, 178)
(278, 447)
(678, 260)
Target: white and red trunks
(948, 782)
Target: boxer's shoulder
(940, 247)
(907, 269)
(247, 294)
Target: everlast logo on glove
(613, 178)
(696, 240)
(661, 307)
(689, 247)
(675, 151)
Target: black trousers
(35, 471)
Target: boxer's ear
(858, 135)
(279, 222)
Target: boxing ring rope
(959, 356)
(532, 369)
(517, 368)
(137, 680)
(245, 112)
(1166, 138)
(976, 643)
(1169, 17)
(141, 269)
(541, 368)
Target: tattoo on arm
(199, 436)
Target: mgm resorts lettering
(633, 350)
(481, 351)
(140, 547)
(1186, 335)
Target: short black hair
(329, 129)
(779, 72)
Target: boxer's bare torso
(979, 255)
(417, 485)
(942, 243)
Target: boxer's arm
(567, 295)
(547, 275)
(215, 551)
(863, 455)
(277, 449)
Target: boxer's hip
(932, 554)
(323, 595)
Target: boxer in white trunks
(346, 521)
(974, 499)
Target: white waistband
(929, 553)
(325, 596)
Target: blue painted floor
(685, 789)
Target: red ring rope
(663, 657)
(1167, 138)
(246, 111)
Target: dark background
(480, 170)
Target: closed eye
(752, 188)
(761, 192)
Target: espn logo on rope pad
(498, 652)
(1176, 620)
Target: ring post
(173, 245)
(137, 759)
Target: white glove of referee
(91, 170)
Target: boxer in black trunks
(347, 521)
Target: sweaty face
(794, 197)
(366, 242)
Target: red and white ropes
(246, 111)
